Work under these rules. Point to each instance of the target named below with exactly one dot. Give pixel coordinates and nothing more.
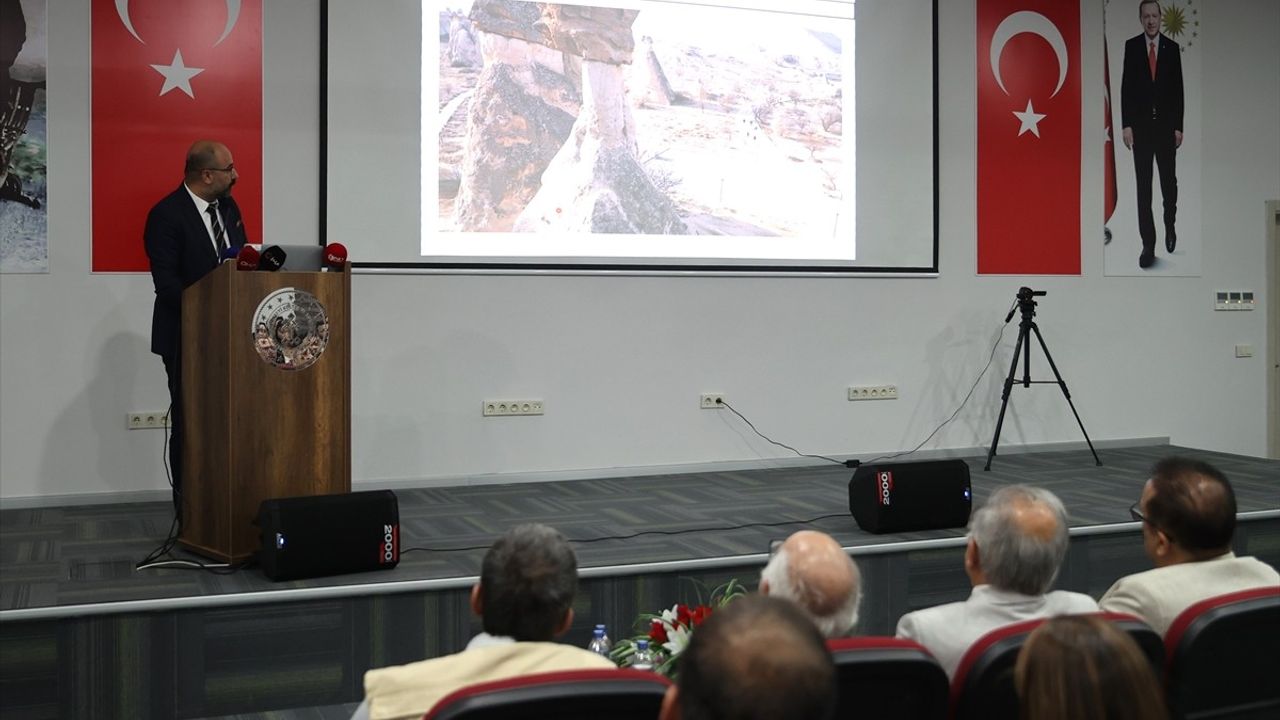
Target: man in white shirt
(525, 597)
(813, 571)
(1188, 516)
(1017, 542)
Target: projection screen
(651, 135)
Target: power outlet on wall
(873, 392)
(504, 408)
(711, 401)
(146, 419)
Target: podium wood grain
(255, 431)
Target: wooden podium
(266, 399)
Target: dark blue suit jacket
(181, 253)
(1141, 98)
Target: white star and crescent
(1030, 120)
(177, 76)
(233, 15)
(1026, 21)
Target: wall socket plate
(711, 401)
(504, 408)
(873, 392)
(1234, 300)
(146, 419)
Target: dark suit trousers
(1156, 143)
(173, 369)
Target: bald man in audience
(1017, 542)
(814, 572)
(757, 658)
(1188, 515)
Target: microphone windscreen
(335, 256)
(248, 258)
(272, 258)
(229, 253)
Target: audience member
(1017, 542)
(525, 599)
(1081, 667)
(813, 571)
(755, 658)
(1188, 515)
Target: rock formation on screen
(648, 83)
(595, 182)
(519, 115)
(463, 49)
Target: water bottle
(643, 657)
(604, 635)
(598, 644)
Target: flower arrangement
(669, 632)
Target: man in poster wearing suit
(1151, 103)
(186, 236)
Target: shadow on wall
(121, 456)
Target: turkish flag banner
(1109, 196)
(1028, 144)
(165, 74)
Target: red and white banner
(165, 74)
(1028, 179)
(1109, 197)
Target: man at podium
(188, 233)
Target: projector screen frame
(595, 266)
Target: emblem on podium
(290, 329)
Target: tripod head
(1025, 303)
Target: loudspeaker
(911, 496)
(318, 535)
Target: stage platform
(84, 634)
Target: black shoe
(1146, 259)
(1170, 239)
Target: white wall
(620, 361)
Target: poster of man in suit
(1156, 228)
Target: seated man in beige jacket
(1188, 515)
(525, 598)
(1017, 542)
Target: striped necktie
(219, 235)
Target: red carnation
(657, 633)
(684, 616)
(701, 613)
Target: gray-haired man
(1017, 542)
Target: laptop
(302, 258)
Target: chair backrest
(983, 686)
(1148, 640)
(570, 694)
(1224, 657)
(886, 677)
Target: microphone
(335, 257)
(248, 258)
(272, 259)
(228, 253)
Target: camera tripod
(1028, 308)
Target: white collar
(201, 204)
(486, 640)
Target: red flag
(167, 73)
(1109, 161)
(1028, 137)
